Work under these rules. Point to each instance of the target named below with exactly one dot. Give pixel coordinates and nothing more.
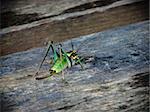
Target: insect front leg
(63, 77)
(79, 61)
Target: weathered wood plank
(115, 77)
(70, 25)
(20, 12)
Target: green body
(60, 65)
(60, 60)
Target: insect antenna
(72, 45)
(79, 47)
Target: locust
(61, 60)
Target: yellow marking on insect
(74, 57)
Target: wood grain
(24, 37)
(114, 78)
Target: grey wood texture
(114, 79)
(33, 22)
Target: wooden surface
(17, 12)
(114, 79)
(32, 23)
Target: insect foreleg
(63, 77)
(79, 61)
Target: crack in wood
(10, 18)
(90, 5)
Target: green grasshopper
(61, 60)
